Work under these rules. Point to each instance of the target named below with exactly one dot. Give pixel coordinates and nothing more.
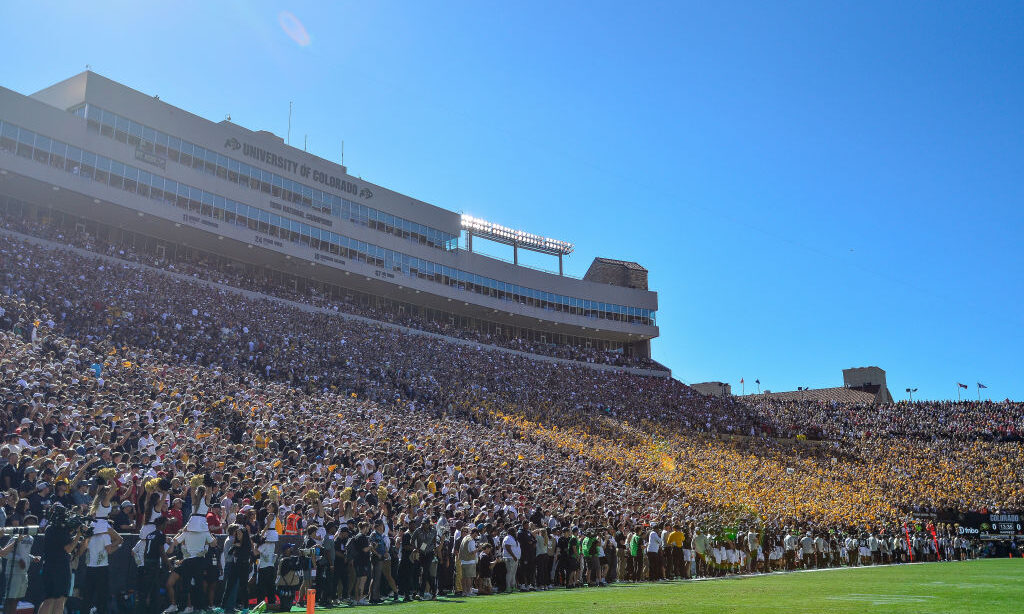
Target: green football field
(995, 586)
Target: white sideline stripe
(786, 573)
(53, 245)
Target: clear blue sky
(813, 185)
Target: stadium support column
(515, 254)
(560, 273)
(469, 241)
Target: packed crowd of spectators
(962, 420)
(407, 465)
(207, 269)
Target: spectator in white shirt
(510, 551)
(654, 545)
(94, 586)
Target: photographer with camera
(290, 576)
(64, 534)
(17, 555)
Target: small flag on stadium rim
(741, 380)
(980, 385)
(758, 382)
(964, 386)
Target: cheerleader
(152, 508)
(201, 495)
(99, 511)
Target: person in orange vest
(292, 523)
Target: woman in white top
(152, 508)
(100, 509)
(200, 507)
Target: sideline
(54, 245)
(484, 603)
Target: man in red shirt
(175, 520)
(213, 519)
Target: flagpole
(979, 393)
(958, 392)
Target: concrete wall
(713, 389)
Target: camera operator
(18, 557)
(58, 543)
(94, 586)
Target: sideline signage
(991, 526)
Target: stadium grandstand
(133, 169)
(188, 401)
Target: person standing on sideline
(95, 585)
(790, 543)
(636, 555)
(18, 557)
(699, 544)
(654, 547)
(511, 552)
(266, 567)
(467, 560)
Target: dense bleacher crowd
(208, 269)
(960, 420)
(405, 465)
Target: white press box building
(124, 166)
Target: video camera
(72, 521)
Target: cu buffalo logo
(232, 144)
(365, 193)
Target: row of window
(52, 152)
(183, 152)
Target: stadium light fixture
(910, 393)
(519, 238)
